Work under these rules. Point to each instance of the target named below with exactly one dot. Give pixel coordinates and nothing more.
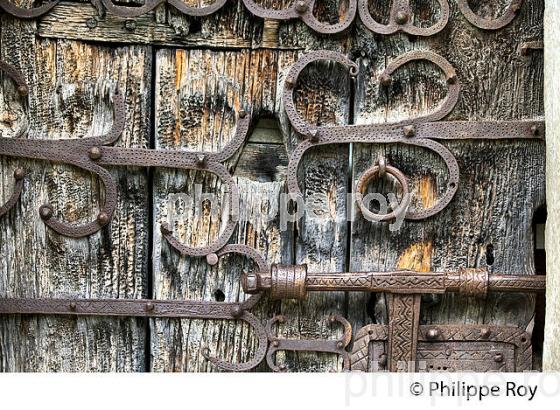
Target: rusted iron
(401, 19)
(468, 282)
(506, 18)
(24, 13)
(421, 131)
(448, 348)
(403, 294)
(151, 309)
(93, 154)
(277, 344)
(303, 10)
(149, 5)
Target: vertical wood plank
(323, 98)
(70, 88)
(198, 96)
(489, 221)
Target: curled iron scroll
(93, 154)
(490, 24)
(401, 132)
(401, 19)
(149, 5)
(303, 10)
(23, 13)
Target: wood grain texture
(232, 27)
(489, 221)
(71, 84)
(323, 97)
(198, 95)
(206, 70)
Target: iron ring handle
(361, 186)
(400, 19)
(19, 176)
(412, 214)
(259, 355)
(490, 24)
(22, 13)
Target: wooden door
(184, 80)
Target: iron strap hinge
(400, 19)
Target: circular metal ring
(362, 184)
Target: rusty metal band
(477, 336)
(401, 19)
(474, 282)
(326, 346)
(288, 282)
(93, 154)
(404, 319)
(420, 131)
(23, 13)
(490, 24)
(150, 309)
(466, 281)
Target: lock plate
(448, 348)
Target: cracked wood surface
(70, 88)
(489, 222)
(204, 71)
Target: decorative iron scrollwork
(401, 19)
(420, 131)
(406, 339)
(23, 13)
(490, 24)
(149, 5)
(303, 10)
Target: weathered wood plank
(489, 221)
(198, 94)
(322, 97)
(70, 88)
(232, 27)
